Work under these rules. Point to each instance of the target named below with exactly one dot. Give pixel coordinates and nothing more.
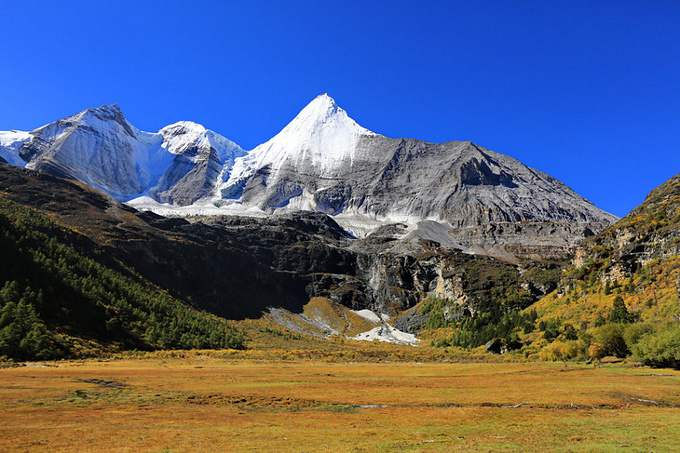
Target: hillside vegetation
(620, 297)
(61, 296)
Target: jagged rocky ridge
(458, 194)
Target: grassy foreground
(236, 403)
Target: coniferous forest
(58, 298)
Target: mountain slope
(650, 231)
(98, 147)
(192, 261)
(630, 273)
(62, 295)
(241, 267)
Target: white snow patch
(10, 144)
(303, 202)
(367, 314)
(146, 203)
(356, 225)
(389, 334)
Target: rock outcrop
(651, 231)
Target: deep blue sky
(587, 91)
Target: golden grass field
(240, 402)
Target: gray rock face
(455, 182)
(200, 158)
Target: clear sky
(587, 91)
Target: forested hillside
(62, 296)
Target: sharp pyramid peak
(321, 111)
(322, 106)
(326, 100)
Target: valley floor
(232, 402)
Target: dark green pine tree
(620, 312)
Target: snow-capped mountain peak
(322, 108)
(180, 137)
(179, 164)
(321, 161)
(103, 118)
(322, 113)
(322, 136)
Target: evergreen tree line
(55, 286)
(474, 331)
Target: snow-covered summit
(183, 136)
(321, 114)
(321, 137)
(201, 156)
